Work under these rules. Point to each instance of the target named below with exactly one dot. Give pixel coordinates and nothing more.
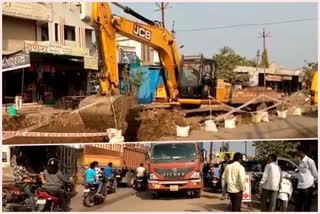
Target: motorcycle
(90, 197)
(216, 184)
(140, 184)
(111, 185)
(14, 198)
(46, 202)
(255, 184)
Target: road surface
(305, 126)
(143, 202)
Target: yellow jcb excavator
(186, 80)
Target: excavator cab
(196, 77)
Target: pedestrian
(307, 175)
(223, 165)
(206, 173)
(234, 178)
(270, 183)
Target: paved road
(77, 201)
(143, 202)
(292, 127)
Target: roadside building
(276, 77)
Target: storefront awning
(15, 61)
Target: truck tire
(130, 181)
(197, 193)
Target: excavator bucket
(103, 112)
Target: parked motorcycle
(46, 202)
(255, 184)
(90, 197)
(14, 198)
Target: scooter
(90, 197)
(216, 184)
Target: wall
(14, 32)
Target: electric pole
(210, 154)
(264, 35)
(162, 6)
(173, 31)
(258, 57)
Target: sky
(290, 44)
(235, 146)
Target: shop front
(49, 74)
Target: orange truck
(175, 167)
(124, 157)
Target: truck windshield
(173, 152)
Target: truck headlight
(153, 176)
(195, 175)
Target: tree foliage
(227, 59)
(282, 149)
(264, 59)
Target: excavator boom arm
(158, 38)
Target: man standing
(222, 168)
(234, 177)
(270, 183)
(307, 174)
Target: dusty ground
(156, 125)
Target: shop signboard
(15, 61)
(90, 63)
(27, 10)
(287, 78)
(273, 78)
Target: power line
(249, 25)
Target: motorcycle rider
(91, 177)
(55, 181)
(108, 172)
(141, 173)
(20, 173)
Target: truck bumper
(174, 186)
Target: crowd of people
(274, 186)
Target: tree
(264, 59)
(283, 149)
(227, 59)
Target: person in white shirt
(234, 178)
(140, 171)
(307, 175)
(270, 183)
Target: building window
(44, 32)
(56, 29)
(69, 33)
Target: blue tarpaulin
(151, 81)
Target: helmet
(53, 162)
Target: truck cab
(175, 167)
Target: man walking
(234, 177)
(223, 165)
(307, 174)
(270, 183)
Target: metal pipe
(134, 13)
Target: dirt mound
(159, 123)
(22, 121)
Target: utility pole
(258, 57)
(264, 35)
(162, 6)
(173, 31)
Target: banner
(246, 195)
(15, 61)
